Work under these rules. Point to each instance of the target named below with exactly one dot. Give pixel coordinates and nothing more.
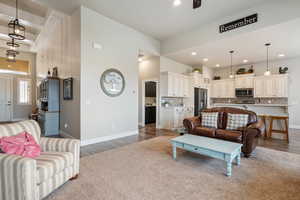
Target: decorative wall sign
(68, 88)
(239, 23)
(112, 82)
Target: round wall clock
(112, 82)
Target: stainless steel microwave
(244, 92)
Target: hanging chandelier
(16, 30)
(12, 44)
(11, 55)
(231, 67)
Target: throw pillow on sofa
(22, 144)
(236, 121)
(209, 119)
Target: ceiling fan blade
(197, 3)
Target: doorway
(5, 99)
(150, 105)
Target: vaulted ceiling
(31, 14)
(158, 18)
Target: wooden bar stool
(264, 118)
(285, 131)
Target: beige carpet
(146, 171)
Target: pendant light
(16, 30)
(268, 72)
(12, 44)
(11, 55)
(231, 70)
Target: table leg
(238, 159)
(174, 151)
(229, 168)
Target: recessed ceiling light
(245, 61)
(205, 59)
(218, 65)
(281, 55)
(140, 59)
(194, 53)
(176, 3)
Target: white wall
(103, 116)
(21, 112)
(169, 65)
(294, 82)
(269, 13)
(149, 69)
(60, 46)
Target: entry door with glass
(5, 99)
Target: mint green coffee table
(220, 149)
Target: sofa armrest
(18, 178)
(63, 145)
(259, 125)
(191, 123)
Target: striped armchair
(33, 179)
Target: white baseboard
(141, 124)
(65, 135)
(108, 137)
(295, 126)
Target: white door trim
(11, 94)
(144, 98)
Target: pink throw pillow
(22, 144)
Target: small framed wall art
(68, 88)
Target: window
(24, 91)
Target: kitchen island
(259, 109)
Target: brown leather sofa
(248, 136)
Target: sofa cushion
(209, 119)
(22, 144)
(236, 121)
(51, 163)
(234, 136)
(203, 131)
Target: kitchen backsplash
(171, 101)
(150, 100)
(257, 100)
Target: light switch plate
(97, 46)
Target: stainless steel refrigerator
(200, 97)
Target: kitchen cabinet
(150, 89)
(244, 81)
(150, 115)
(275, 86)
(175, 85)
(198, 81)
(259, 88)
(50, 106)
(223, 89)
(172, 117)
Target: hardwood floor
(150, 131)
(145, 133)
(282, 145)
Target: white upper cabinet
(244, 81)
(223, 89)
(259, 89)
(175, 85)
(198, 81)
(271, 86)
